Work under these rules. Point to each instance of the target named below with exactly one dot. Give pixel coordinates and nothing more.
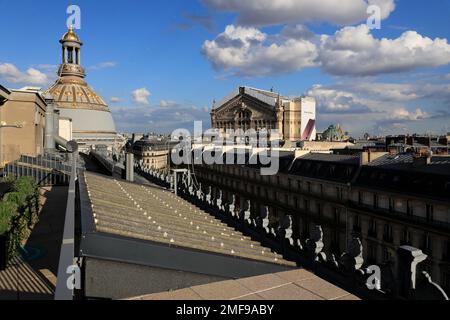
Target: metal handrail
(66, 259)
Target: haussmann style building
(249, 108)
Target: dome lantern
(71, 55)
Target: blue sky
(178, 56)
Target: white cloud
(351, 51)
(32, 76)
(354, 51)
(384, 108)
(274, 12)
(404, 115)
(168, 104)
(140, 96)
(332, 100)
(115, 100)
(103, 65)
(249, 52)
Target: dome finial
(70, 35)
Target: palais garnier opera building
(84, 115)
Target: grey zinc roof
(149, 213)
(268, 97)
(401, 160)
(331, 158)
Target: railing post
(408, 259)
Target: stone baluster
(232, 206)
(219, 201)
(314, 245)
(209, 196)
(263, 221)
(408, 259)
(352, 260)
(247, 215)
(200, 192)
(426, 289)
(285, 230)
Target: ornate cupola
(71, 55)
(92, 122)
(71, 90)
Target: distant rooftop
(269, 97)
(324, 157)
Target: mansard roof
(336, 168)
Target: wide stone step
(182, 243)
(187, 233)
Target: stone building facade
(152, 153)
(22, 122)
(386, 203)
(249, 108)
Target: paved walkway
(33, 276)
(20, 282)
(291, 285)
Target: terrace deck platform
(290, 285)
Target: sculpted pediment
(258, 110)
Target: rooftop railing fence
(47, 170)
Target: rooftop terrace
(153, 214)
(288, 285)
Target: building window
(446, 254)
(409, 209)
(387, 233)
(339, 193)
(427, 244)
(373, 229)
(446, 281)
(306, 205)
(430, 213)
(391, 205)
(335, 246)
(406, 237)
(360, 198)
(386, 255)
(371, 253)
(375, 201)
(337, 216)
(309, 187)
(357, 224)
(319, 210)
